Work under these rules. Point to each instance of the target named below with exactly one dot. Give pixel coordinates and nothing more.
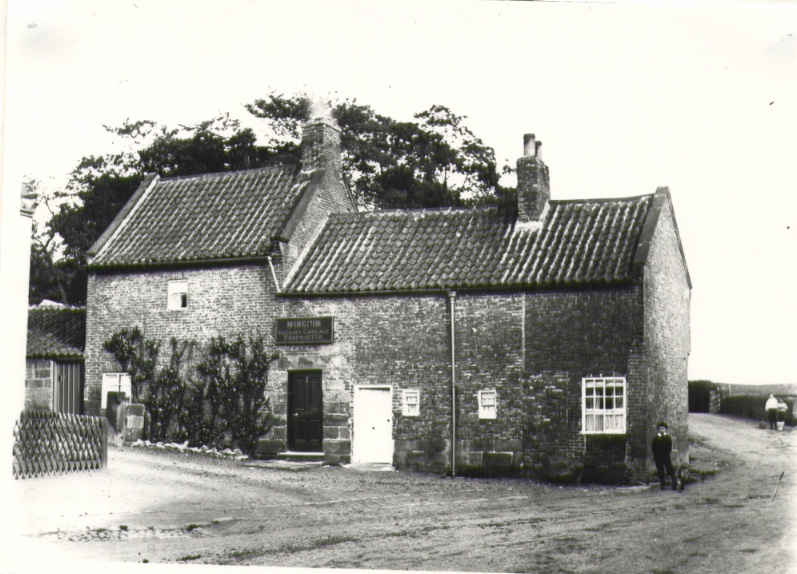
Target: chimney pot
(529, 145)
(538, 151)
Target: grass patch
(749, 550)
(189, 558)
(191, 527)
(123, 527)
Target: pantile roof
(578, 243)
(56, 332)
(201, 218)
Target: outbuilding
(54, 363)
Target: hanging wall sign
(305, 331)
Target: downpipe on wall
(452, 295)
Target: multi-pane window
(487, 404)
(411, 403)
(178, 295)
(603, 406)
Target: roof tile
(579, 243)
(56, 332)
(211, 216)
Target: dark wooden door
(305, 416)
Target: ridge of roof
(485, 207)
(276, 165)
(577, 243)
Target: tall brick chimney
(533, 187)
(321, 146)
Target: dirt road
(167, 507)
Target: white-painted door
(373, 425)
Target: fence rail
(55, 443)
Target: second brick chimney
(533, 186)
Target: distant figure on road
(772, 411)
(662, 447)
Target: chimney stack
(321, 146)
(533, 187)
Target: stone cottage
(54, 362)
(492, 340)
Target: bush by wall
(53, 443)
(216, 398)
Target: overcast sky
(625, 97)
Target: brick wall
(227, 301)
(575, 334)
(398, 341)
(489, 356)
(39, 377)
(667, 336)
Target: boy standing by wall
(662, 447)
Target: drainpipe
(273, 273)
(452, 295)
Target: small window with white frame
(488, 404)
(411, 403)
(116, 382)
(603, 405)
(178, 295)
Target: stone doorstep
(283, 464)
(370, 466)
(301, 456)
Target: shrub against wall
(217, 397)
(232, 383)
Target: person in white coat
(771, 407)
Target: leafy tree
(47, 279)
(435, 161)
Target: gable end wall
(667, 335)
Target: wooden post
(104, 434)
